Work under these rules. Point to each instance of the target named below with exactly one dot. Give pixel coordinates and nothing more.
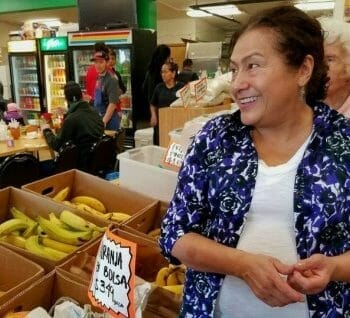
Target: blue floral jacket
(214, 193)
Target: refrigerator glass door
(81, 62)
(25, 81)
(55, 79)
(123, 66)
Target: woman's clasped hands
(278, 284)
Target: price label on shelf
(174, 156)
(113, 281)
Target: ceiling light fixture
(222, 10)
(315, 5)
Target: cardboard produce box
(115, 198)
(16, 273)
(148, 258)
(35, 295)
(33, 206)
(144, 224)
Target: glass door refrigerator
(133, 48)
(54, 61)
(25, 77)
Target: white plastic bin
(143, 137)
(141, 170)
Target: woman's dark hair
(298, 35)
(1, 89)
(159, 57)
(72, 92)
(187, 62)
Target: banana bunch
(155, 233)
(171, 278)
(90, 205)
(52, 238)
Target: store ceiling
(167, 9)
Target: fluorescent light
(226, 9)
(197, 13)
(314, 6)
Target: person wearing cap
(82, 125)
(13, 112)
(107, 91)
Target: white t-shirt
(269, 230)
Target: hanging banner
(113, 281)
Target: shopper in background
(153, 77)
(261, 211)
(337, 53)
(92, 75)
(82, 126)
(13, 113)
(187, 75)
(112, 66)
(164, 94)
(107, 91)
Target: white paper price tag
(113, 280)
(175, 155)
(200, 88)
(185, 94)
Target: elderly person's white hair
(337, 32)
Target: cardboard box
(33, 206)
(146, 222)
(16, 273)
(37, 294)
(148, 258)
(115, 198)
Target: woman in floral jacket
(261, 212)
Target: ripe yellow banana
(74, 221)
(32, 244)
(30, 230)
(12, 225)
(59, 246)
(15, 240)
(172, 279)
(55, 220)
(180, 275)
(17, 214)
(73, 205)
(162, 276)
(61, 195)
(91, 202)
(92, 211)
(119, 217)
(176, 289)
(62, 235)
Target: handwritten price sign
(174, 155)
(200, 88)
(185, 94)
(113, 280)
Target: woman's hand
(263, 276)
(311, 275)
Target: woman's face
(263, 85)
(168, 76)
(339, 80)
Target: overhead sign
(21, 46)
(113, 281)
(54, 44)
